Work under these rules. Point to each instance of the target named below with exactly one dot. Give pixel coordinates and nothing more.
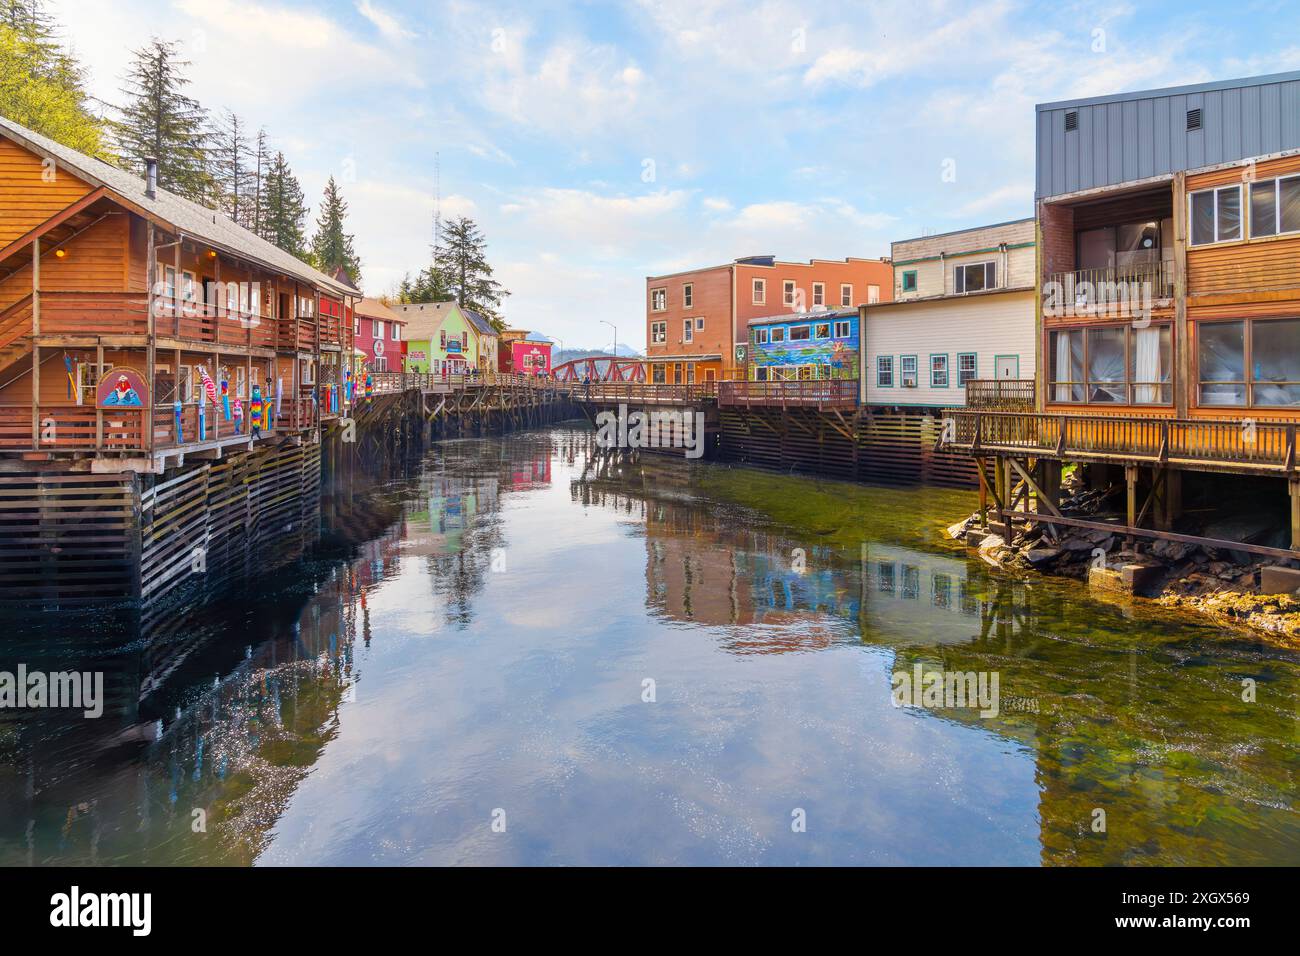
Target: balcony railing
(1000, 393)
(1092, 289)
(1246, 445)
(815, 393)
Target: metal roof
(1152, 134)
(182, 214)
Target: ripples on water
(476, 642)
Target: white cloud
(384, 22)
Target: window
(907, 368)
(760, 336)
(1275, 206)
(822, 330)
(799, 333)
(442, 339)
(909, 280)
(464, 340)
(819, 293)
(760, 291)
(699, 324)
(846, 295)
(688, 295)
(975, 277)
(397, 332)
(778, 335)
(657, 376)
(1216, 215)
(189, 291)
(658, 333)
(760, 374)
(873, 294)
(885, 371)
(788, 292)
(688, 333)
(842, 328)
(1249, 362)
(169, 282)
(1121, 365)
(356, 324)
(938, 371)
(967, 363)
(658, 300)
(377, 328)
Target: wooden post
(1182, 344)
(99, 412)
(36, 349)
(1293, 486)
(1131, 480)
(151, 350)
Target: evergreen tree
(428, 286)
(284, 210)
(461, 262)
(261, 163)
(160, 121)
(41, 86)
(233, 168)
(331, 247)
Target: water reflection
(477, 632)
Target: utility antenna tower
(437, 202)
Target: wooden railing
(1000, 393)
(818, 393)
(94, 313)
(1245, 443)
(644, 392)
(16, 321)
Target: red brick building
(695, 320)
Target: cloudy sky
(597, 143)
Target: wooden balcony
(811, 393)
(1000, 394)
(1093, 290)
(1242, 446)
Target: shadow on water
(476, 630)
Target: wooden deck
(1246, 446)
(814, 393)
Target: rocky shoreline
(1230, 587)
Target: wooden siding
(27, 198)
(988, 325)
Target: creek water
(515, 651)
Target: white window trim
(885, 363)
(1242, 212)
(760, 336)
(688, 295)
(848, 329)
(688, 330)
(758, 292)
(654, 296)
(699, 323)
(961, 267)
(846, 300)
(789, 291)
(1277, 182)
(819, 293)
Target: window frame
(1277, 206)
(688, 330)
(1214, 191)
(909, 276)
(903, 372)
(789, 291)
(846, 295)
(819, 293)
(880, 383)
(758, 291)
(800, 338)
(688, 295)
(848, 329)
(760, 336)
(1129, 383)
(961, 268)
(659, 295)
(1248, 363)
(947, 370)
(699, 323)
(817, 327)
(659, 332)
(974, 371)
(777, 334)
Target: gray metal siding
(1133, 137)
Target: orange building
(697, 322)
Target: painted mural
(805, 346)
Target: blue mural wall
(833, 356)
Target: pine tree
(233, 169)
(428, 286)
(461, 262)
(284, 210)
(161, 122)
(41, 86)
(261, 163)
(331, 247)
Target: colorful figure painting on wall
(121, 387)
(239, 416)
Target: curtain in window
(1062, 366)
(1146, 366)
(1106, 365)
(1221, 355)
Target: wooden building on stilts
(164, 378)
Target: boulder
(1274, 579)
(1039, 557)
